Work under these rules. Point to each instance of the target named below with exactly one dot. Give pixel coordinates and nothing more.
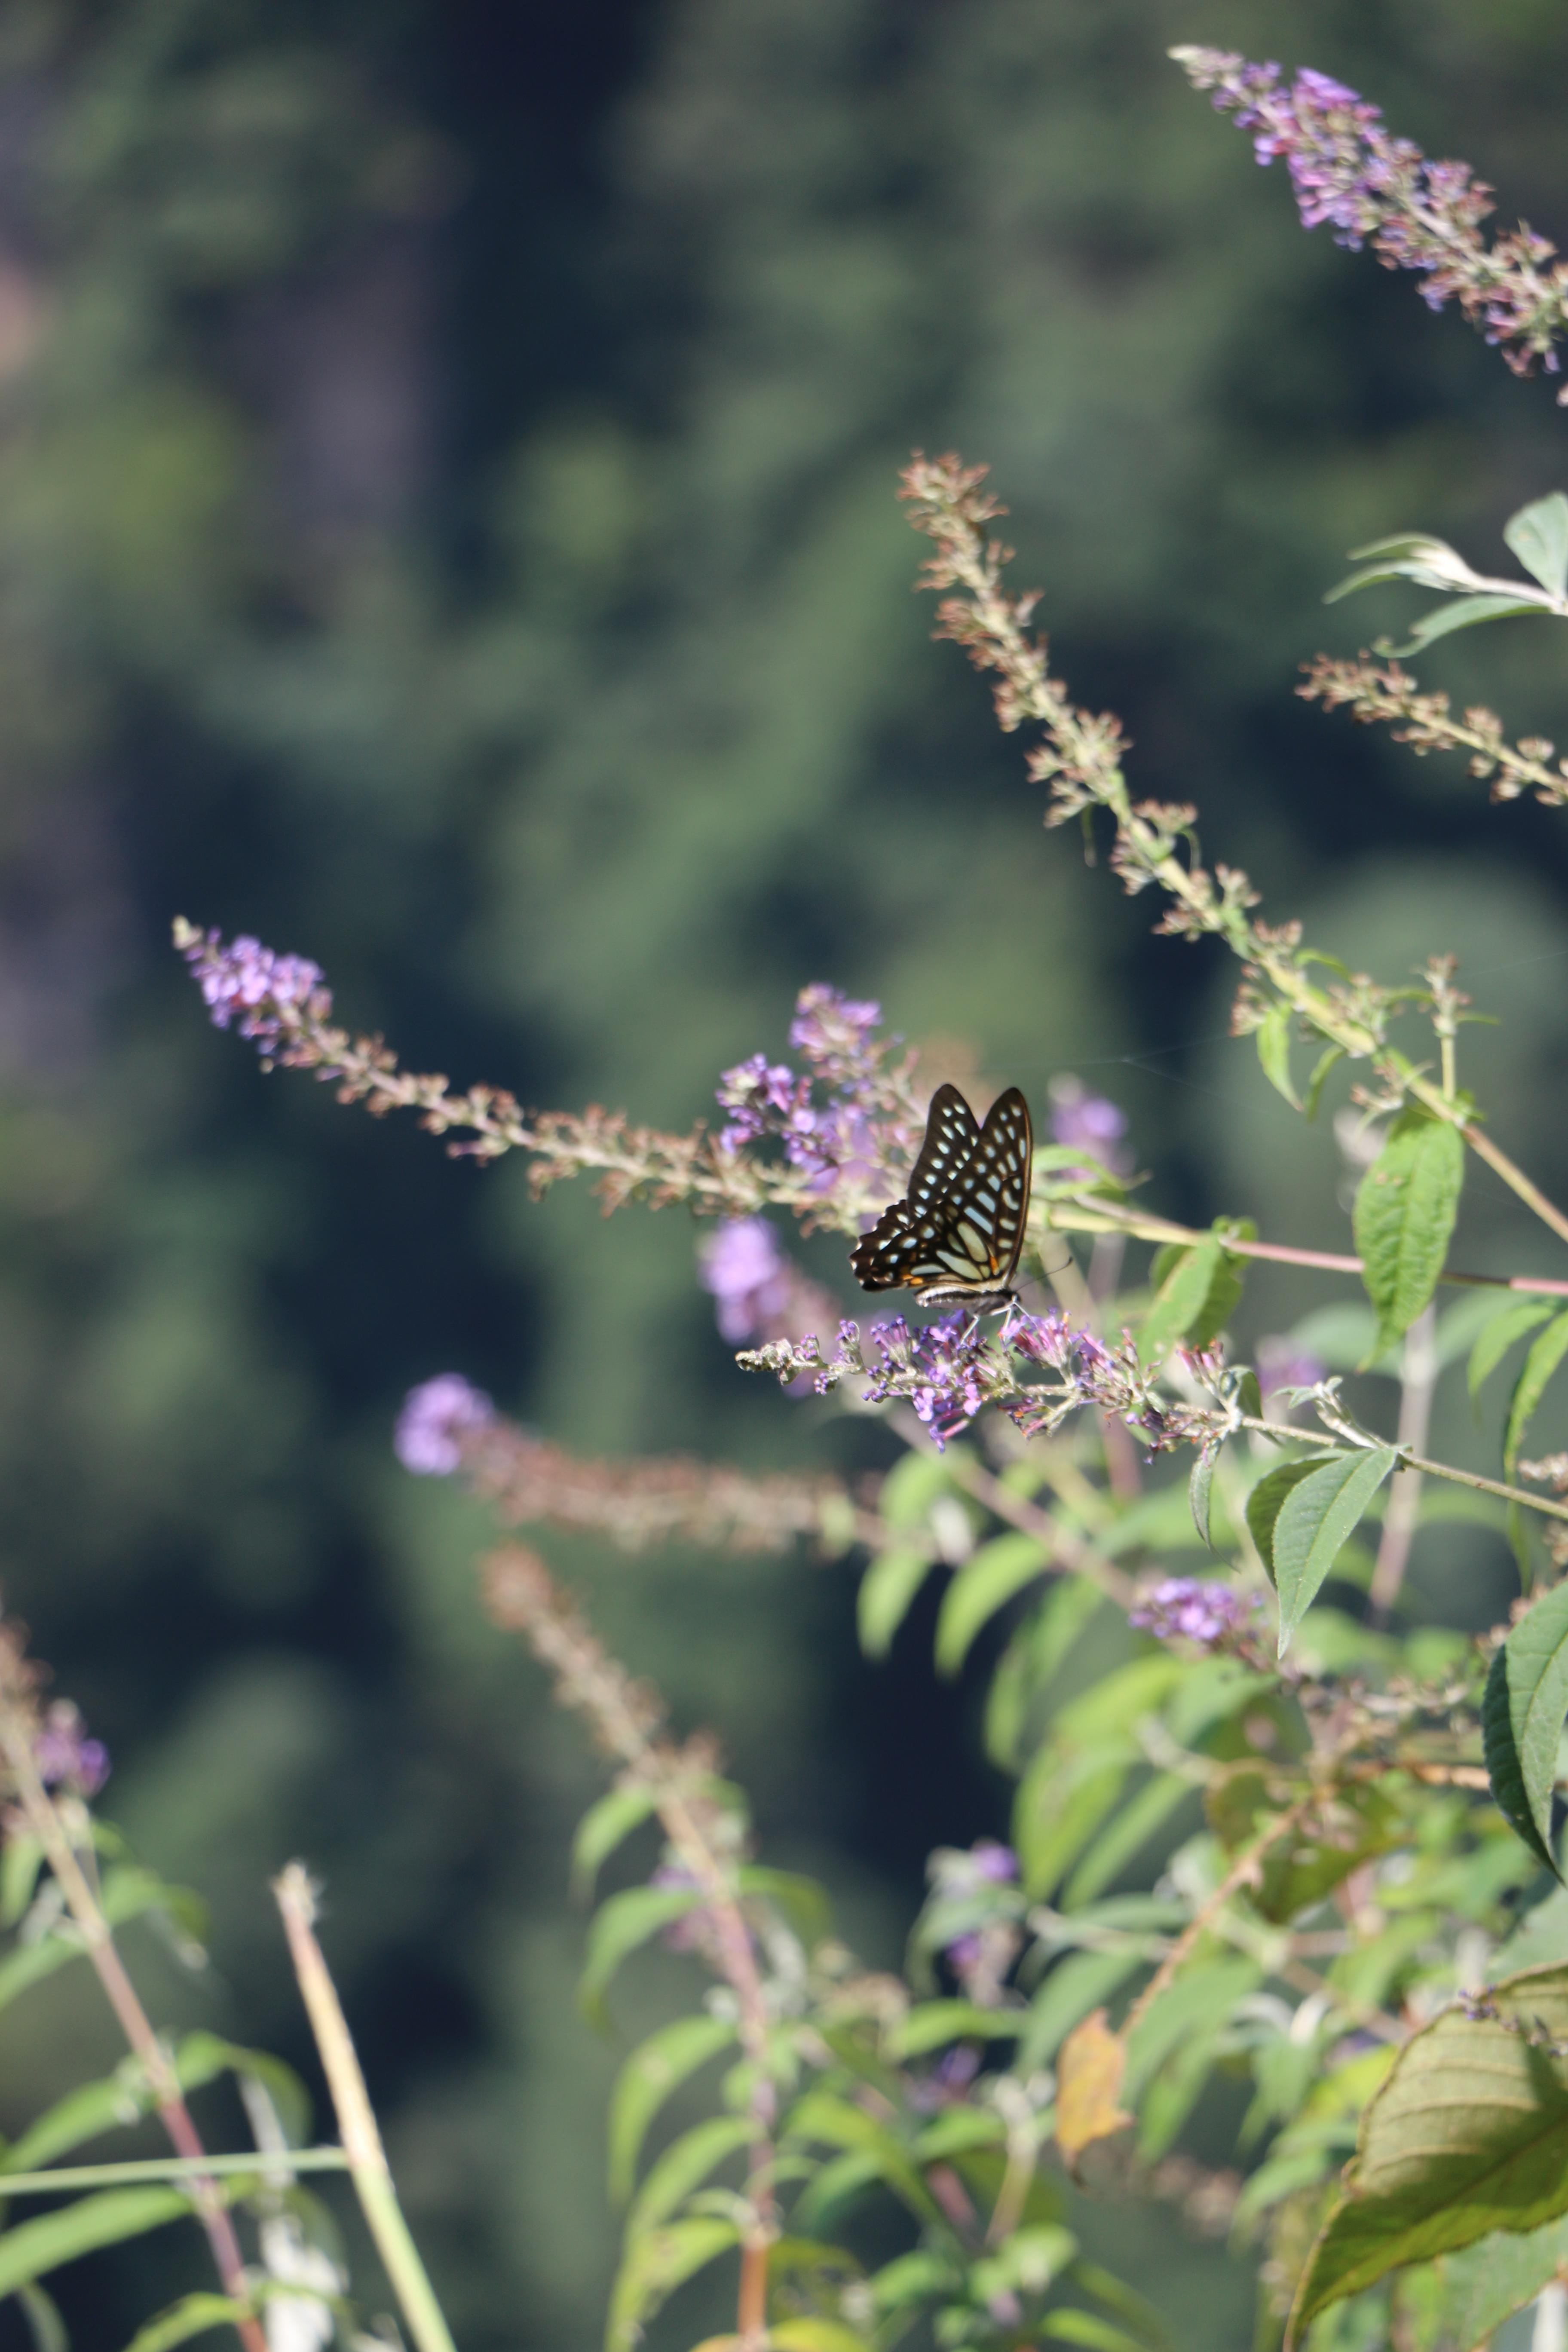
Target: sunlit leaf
(932, 2024)
(1194, 1300)
(1263, 1502)
(887, 1590)
(194, 2314)
(811, 2334)
(1200, 1486)
(1469, 2134)
(1404, 1210)
(821, 2115)
(1538, 535)
(988, 1580)
(655, 2068)
(1496, 1337)
(1315, 1519)
(1272, 1038)
(1463, 614)
(1546, 1352)
(1499, 2275)
(1076, 1985)
(603, 1828)
(1089, 2068)
(29, 2250)
(620, 1926)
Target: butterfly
(954, 1238)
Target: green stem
(363, 2150)
(169, 2168)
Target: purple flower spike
(436, 1418)
(1193, 1609)
(66, 1757)
(246, 983)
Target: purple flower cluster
(436, 1418)
(940, 1368)
(1281, 1364)
(66, 1757)
(830, 1141)
(1347, 170)
(252, 984)
(1193, 1609)
(747, 1273)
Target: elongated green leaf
(1200, 1487)
(821, 2115)
(194, 2314)
(1066, 2326)
(201, 2057)
(654, 2267)
(1522, 1719)
(655, 2068)
(1266, 1499)
(910, 1489)
(620, 1926)
(603, 1828)
(92, 2109)
(1499, 2275)
(986, 1584)
(802, 1900)
(1194, 1299)
(932, 2024)
(1469, 2134)
(887, 1590)
(1546, 1353)
(810, 2335)
(45, 2326)
(1464, 612)
(1538, 535)
(1201, 1998)
(1404, 1210)
(1273, 1039)
(684, 2166)
(1315, 1520)
(20, 1863)
(30, 2249)
(1325, 1062)
(1135, 1824)
(1498, 1337)
(1061, 1802)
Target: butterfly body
(955, 1237)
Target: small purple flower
(1281, 1364)
(66, 1757)
(832, 1030)
(993, 1860)
(748, 1276)
(758, 1093)
(436, 1418)
(1193, 1609)
(944, 1363)
(247, 981)
(1091, 1123)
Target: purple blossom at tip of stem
(1281, 1364)
(1348, 171)
(436, 1418)
(66, 1757)
(833, 1031)
(1193, 1609)
(748, 1276)
(245, 983)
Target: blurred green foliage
(447, 527)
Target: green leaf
(654, 2267)
(1522, 1719)
(1463, 614)
(87, 2113)
(30, 2249)
(1315, 1518)
(1273, 1035)
(1135, 1824)
(986, 1584)
(1538, 535)
(1469, 2134)
(201, 2057)
(655, 2068)
(1200, 1486)
(1325, 1062)
(1194, 1299)
(821, 2115)
(45, 2325)
(20, 1863)
(194, 2314)
(127, 1893)
(1496, 2276)
(914, 1484)
(1545, 1354)
(1266, 1500)
(932, 2024)
(1066, 2326)
(1062, 1800)
(887, 1590)
(802, 1900)
(684, 2166)
(1497, 1337)
(603, 1828)
(1201, 1998)
(816, 2336)
(620, 1926)
(1404, 1210)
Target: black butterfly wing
(958, 1233)
(904, 1234)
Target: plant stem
(44, 1821)
(170, 2167)
(1420, 1378)
(1240, 1871)
(363, 2150)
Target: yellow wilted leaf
(1089, 2068)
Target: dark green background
(447, 527)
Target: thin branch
(1419, 1378)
